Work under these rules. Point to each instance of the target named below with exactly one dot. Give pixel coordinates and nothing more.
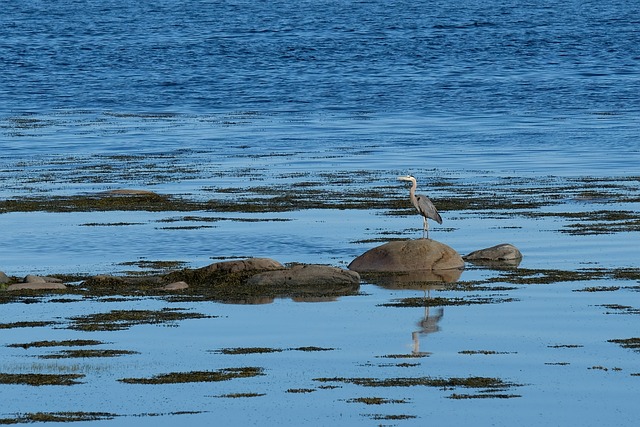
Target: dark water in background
(423, 57)
(242, 93)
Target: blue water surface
(104, 94)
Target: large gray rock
(3, 278)
(501, 252)
(306, 275)
(408, 255)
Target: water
(197, 97)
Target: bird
(423, 204)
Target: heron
(423, 204)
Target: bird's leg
(425, 228)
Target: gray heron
(423, 204)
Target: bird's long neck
(412, 191)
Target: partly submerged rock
(501, 252)
(306, 275)
(31, 278)
(408, 255)
(36, 286)
(248, 264)
(498, 256)
(175, 286)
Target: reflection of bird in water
(423, 204)
(428, 325)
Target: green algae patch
(441, 302)
(198, 376)
(400, 417)
(64, 343)
(629, 343)
(376, 400)
(40, 379)
(241, 395)
(36, 324)
(484, 385)
(460, 396)
(301, 390)
(598, 289)
(57, 417)
(117, 320)
(249, 350)
(73, 354)
(469, 382)
(483, 352)
(264, 350)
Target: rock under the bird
(408, 255)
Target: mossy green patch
(63, 343)
(40, 379)
(27, 324)
(72, 354)
(630, 343)
(469, 382)
(241, 395)
(376, 400)
(441, 302)
(123, 319)
(198, 376)
(57, 417)
(249, 350)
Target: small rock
(175, 286)
(306, 275)
(36, 286)
(408, 255)
(32, 278)
(502, 252)
(242, 265)
(3, 278)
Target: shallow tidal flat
(556, 331)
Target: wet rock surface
(408, 255)
(33, 282)
(250, 280)
(501, 252)
(306, 275)
(500, 256)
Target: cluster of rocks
(32, 282)
(413, 260)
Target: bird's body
(423, 204)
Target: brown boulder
(408, 255)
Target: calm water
(191, 97)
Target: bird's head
(407, 178)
